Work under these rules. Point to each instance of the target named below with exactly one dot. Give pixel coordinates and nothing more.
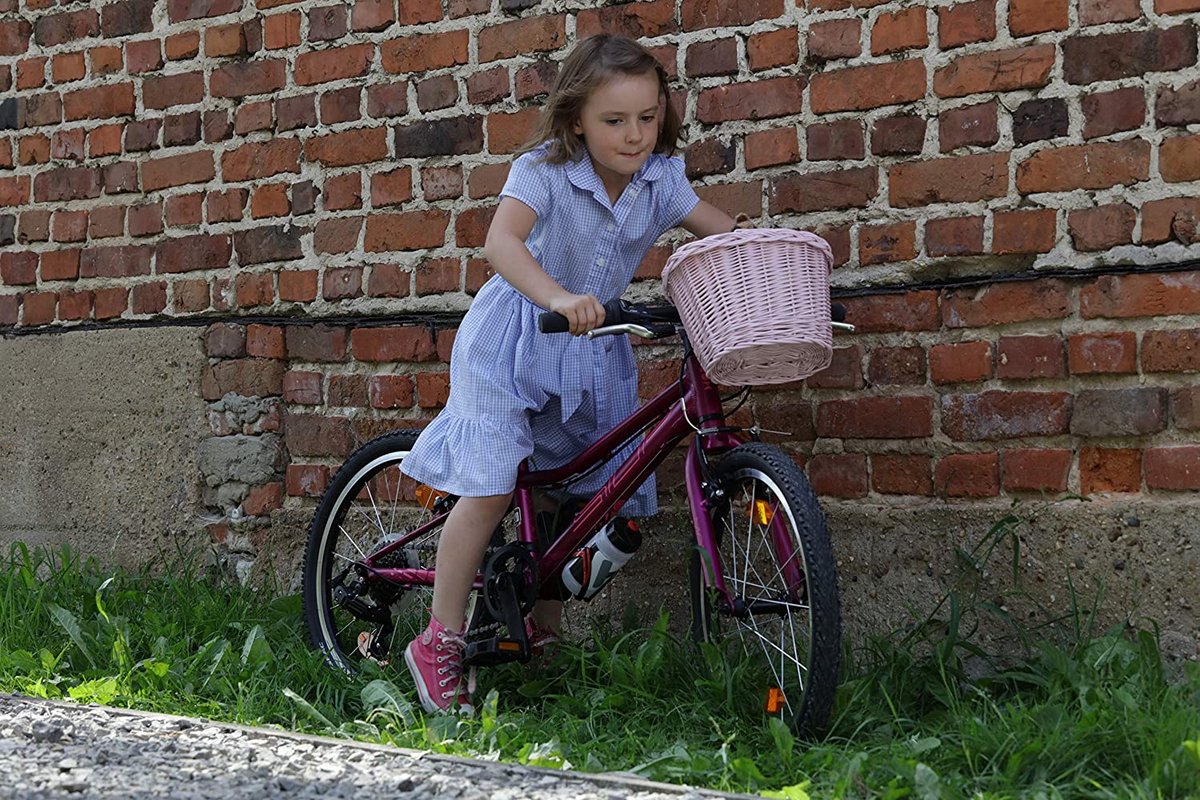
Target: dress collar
(581, 172)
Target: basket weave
(755, 304)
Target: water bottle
(593, 565)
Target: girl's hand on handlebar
(583, 311)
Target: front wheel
(780, 605)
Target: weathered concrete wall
(99, 434)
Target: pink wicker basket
(755, 304)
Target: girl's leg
(464, 538)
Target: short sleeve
(529, 182)
(678, 198)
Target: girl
(582, 205)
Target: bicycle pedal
(499, 650)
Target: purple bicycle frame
(702, 402)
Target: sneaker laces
(453, 644)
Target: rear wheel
(352, 614)
(777, 565)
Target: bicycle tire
(362, 507)
(806, 613)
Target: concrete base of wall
(1099, 563)
(98, 436)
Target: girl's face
(619, 123)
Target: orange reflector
(427, 495)
(505, 644)
(762, 512)
(775, 700)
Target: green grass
(1074, 715)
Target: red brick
(899, 30)
(1103, 227)
(333, 64)
(337, 235)
(111, 302)
(1024, 231)
(774, 97)
(1171, 351)
(225, 206)
(996, 71)
(839, 475)
(318, 435)
(321, 343)
(1185, 408)
(437, 275)
(522, 37)
(56, 265)
(248, 78)
(1152, 295)
(1176, 6)
(835, 141)
(507, 131)
(189, 295)
(949, 180)
(840, 38)
(872, 86)
(10, 309)
(1027, 17)
(897, 366)
(414, 12)
(347, 391)
(1098, 12)
(767, 148)
(712, 57)
(1172, 468)
(261, 160)
(262, 500)
(389, 280)
(1110, 112)
(901, 474)
(298, 285)
(425, 52)
(1029, 470)
(433, 389)
(73, 305)
(961, 362)
(1109, 470)
(964, 23)
(968, 125)
(249, 377)
(1127, 54)
(844, 371)
(1175, 217)
(698, 14)
(348, 148)
(101, 102)
(899, 135)
(1026, 357)
(148, 298)
(119, 262)
(306, 480)
(391, 391)
(266, 341)
(968, 475)
(392, 344)
(895, 417)
(38, 308)
(772, 49)
(954, 236)
(894, 313)
(413, 230)
(271, 200)
(1102, 353)
(887, 243)
(995, 414)
(254, 289)
(1179, 159)
(303, 388)
(470, 230)
(635, 20)
(181, 46)
(853, 187)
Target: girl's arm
(706, 220)
(505, 249)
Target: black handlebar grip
(552, 322)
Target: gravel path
(61, 750)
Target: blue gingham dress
(516, 393)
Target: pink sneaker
(543, 642)
(435, 660)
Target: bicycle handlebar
(616, 313)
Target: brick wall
(292, 170)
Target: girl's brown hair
(590, 63)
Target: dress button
(599, 262)
(609, 228)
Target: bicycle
(762, 569)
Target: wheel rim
(370, 507)
(778, 637)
